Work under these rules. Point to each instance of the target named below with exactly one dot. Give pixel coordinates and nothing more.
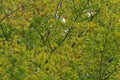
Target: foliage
(59, 40)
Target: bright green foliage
(59, 39)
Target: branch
(103, 52)
(7, 15)
(48, 40)
(39, 66)
(1, 20)
(92, 16)
(109, 74)
(81, 11)
(71, 26)
(73, 44)
(56, 12)
(63, 38)
(6, 38)
(39, 35)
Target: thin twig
(103, 52)
(6, 38)
(39, 66)
(2, 19)
(42, 38)
(73, 44)
(7, 15)
(63, 38)
(70, 29)
(56, 12)
(81, 11)
(112, 72)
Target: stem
(63, 38)
(81, 11)
(106, 78)
(3, 18)
(6, 38)
(101, 64)
(71, 26)
(103, 52)
(57, 7)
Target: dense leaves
(59, 40)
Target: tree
(59, 40)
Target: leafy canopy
(59, 40)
